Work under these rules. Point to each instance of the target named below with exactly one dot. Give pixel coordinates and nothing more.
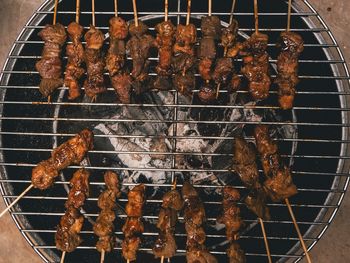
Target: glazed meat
(71, 152)
(256, 65)
(207, 93)
(245, 163)
(256, 202)
(104, 226)
(79, 189)
(229, 35)
(287, 66)
(165, 245)
(94, 84)
(200, 256)
(194, 216)
(75, 54)
(139, 47)
(231, 216)
(50, 64)
(183, 62)
(122, 84)
(185, 83)
(118, 31)
(235, 253)
(136, 199)
(279, 184)
(67, 235)
(173, 200)
(186, 37)
(223, 69)
(133, 226)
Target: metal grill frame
(341, 75)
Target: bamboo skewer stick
(77, 11)
(116, 8)
(188, 12)
(166, 11)
(128, 261)
(256, 16)
(232, 10)
(63, 256)
(16, 200)
(298, 230)
(265, 240)
(289, 14)
(135, 13)
(162, 259)
(93, 12)
(209, 7)
(55, 13)
(102, 256)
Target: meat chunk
(235, 253)
(130, 247)
(136, 199)
(173, 200)
(186, 37)
(207, 93)
(122, 84)
(256, 202)
(165, 245)
(50, 64)
(223, 69)
(79, 189)
(185, 83)
(200, 256)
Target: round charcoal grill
(313, 138)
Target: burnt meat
(122, 84)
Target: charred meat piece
(183, 62)
(256, 65)
(50, 64)
(118, 31)
(194, 215)
(279, 184)
(104, 226)
(165, 245)
(229, 35)
(186, 37)
(122, 84)
(223, 69)
(139, 47)
(79, 189)
(185, 83)
(71, 152)
(207, 93)
(231, 216)
(75, 54)
(200, 256)
(256, 202)
(245, 163)
(94, 84)
(67, 236)
(235, 253)
(287, 66)
(133, 226)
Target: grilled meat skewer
(104, 226)
(115, 60)
(279, 184)
(291, 45)
(75, 54)
(133, 226)
(50, 64)
(94, 84)
(256, 65)
(165, 245)
(194, 215)
(67, 236)
(139, 46)
(71, 152)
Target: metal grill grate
(313, 137)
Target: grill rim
(39, 15)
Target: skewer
(116, 8)
(225, 49)
(55, 13)
(128, 261)
(63, 256)
(298, 230)
(265, 240)
(135, 13)
(77, 11)
(102, 256)
(162, 259)
(289, 14)
(256, 16)
(93, 12)
(16, 200)
(188, 12)
(209, 7)
(166, 11)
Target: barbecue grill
(313, 137)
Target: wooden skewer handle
(16, 200)
(265, 240)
